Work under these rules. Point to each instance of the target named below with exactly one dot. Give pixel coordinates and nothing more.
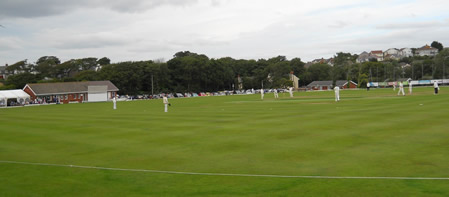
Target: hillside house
(426, 51)
(3, 72)
(378, 54)
(405, 52)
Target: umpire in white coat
(435, 86)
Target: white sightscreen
(97, 93)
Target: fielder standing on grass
(337, 93)
(261, 93)
(367, 86)
(114, 101)
(435, 86)
(290, 90)
(166, 103)
(276, 95)
(401, 88)
(410, 87)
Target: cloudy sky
(125, 30)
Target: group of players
(401, 89)
(290, 91)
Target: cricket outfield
(369, 144)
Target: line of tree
(192, 72)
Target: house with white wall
(405, 52)
(426, 51)
(391, 51)
(378, 54)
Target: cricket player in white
(276, 95)
(165, 101)
(337, 93)
(290, 90)
(114, 101)
(261, 94)
(368, 86)
(394, 86)
(410, 87)
(401, 88)
(435, 86)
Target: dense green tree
(363, 80)
(192, 72)
(65, 69)
(104, 61)
(19, 67)
(442, 60)
(19, 81)
(52, 59)
(46, 64)
(342, 59)
(297, 66)
(437, 45)
(320, 72)
(87, 75)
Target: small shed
(8, 97)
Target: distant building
(366, 57)
(405, 52)
(392, 57)
(328, 85)
(426, 51)
(392, 54)
(404, 65)
(363, 57)
(391, 51)
(3, 72)
(295, 80)
(66, 92)
(329, 61)
(378, 54)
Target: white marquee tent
(20, 95)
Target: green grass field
(367, 134)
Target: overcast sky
(131, 30)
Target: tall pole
(422, 70)
(444, 68)
(433, 71)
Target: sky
(134, 30)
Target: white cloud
(139, 30)
(10, 43)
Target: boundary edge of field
(221, 174)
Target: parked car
(122, 98)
